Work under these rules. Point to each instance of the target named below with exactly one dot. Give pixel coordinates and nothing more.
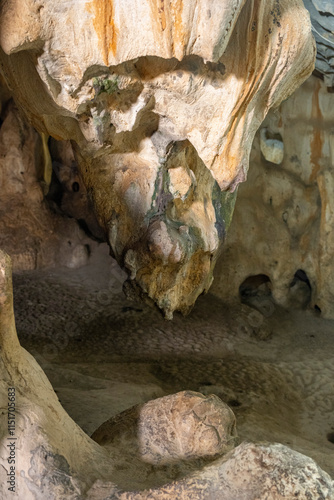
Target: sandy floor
(104, 354)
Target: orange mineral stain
(317, 141)
(178, 32)
(158, 13)
(162, 15)
(324, 201)
(104, 25)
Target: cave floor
(104, 354)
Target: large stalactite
(161, 106)
(161, 102)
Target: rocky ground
(103, 354)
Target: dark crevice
(301, 275)
(330, 437)
(93, 236)
(255, 286)
(255, 292)
(300, 290)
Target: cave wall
(36, 233)
(284, 215)
(161, 107)
(282, 221)
(157, 177)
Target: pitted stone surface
(282, 225)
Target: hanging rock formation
(161, 103)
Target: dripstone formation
(161, 107)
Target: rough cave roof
(322, 17)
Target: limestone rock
(161, 105)
(178, 427)
(272, 149)
(35, 236)
(47, 441)
(250, 472)
(282, 226)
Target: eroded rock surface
(282, 231)
(34, 235)
(179, 427)
(162, 106)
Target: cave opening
(258, 285)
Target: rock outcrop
(161, 103)
(155, 107)
(179, 427)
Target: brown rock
(182, 426)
